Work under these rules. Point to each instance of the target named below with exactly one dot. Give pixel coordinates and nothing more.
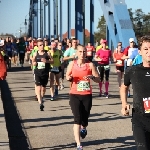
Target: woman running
(103, 57)
(119, 63)
(79, 73)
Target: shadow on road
(123, 140)
(16, 135)
(18, 69)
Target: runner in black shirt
(41, 60)
(139, 76)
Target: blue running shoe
(83, 133)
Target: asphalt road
(29, 128)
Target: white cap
(131, 40)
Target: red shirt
(80, 84)
(104, 55)
(117, 56)
(90, 50)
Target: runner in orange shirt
(89, 53)
(119, 63)
(79, 73)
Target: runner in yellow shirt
(46, 47)
(100, 46)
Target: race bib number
(21, 52)
(8, 49)
(107, 67)
(89, 53)
(146, 102)
(41, 65)
(55, 69)
(119, 62)
(83, 86)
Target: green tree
(101, 33)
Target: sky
(13, 12)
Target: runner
(81, 92)
(34, 51)
(103, 57)
(46, 47)
(41, 60)
(55, 70)
(137, 60)
(59, 47)
(119, 63)
(139, 76)
(130, 53)
(90, 51)
(69, 54)
(15, 52)
(9, 51)
(21, 51)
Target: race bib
(41, 65)
(55, 69)
(146, 102)
(119, 62)
(107, 67)
(21, 51)
(8, 49)
(89, 53)
(83, 86)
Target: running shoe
(52, 98)
(83, 133)
(41, 107)
(100, 94)
(106, 95)
(79, 147)
(62, 87)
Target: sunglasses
(82, 51)
(59, 45)
(41, 45)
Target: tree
(140, 21)
(101, 33)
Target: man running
(21, 51)
(69, 54)
(55, 70)
(41, 60)
(139, 76)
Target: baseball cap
(131, 40)
(104, 41)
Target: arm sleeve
(127, 79)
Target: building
(65, 35)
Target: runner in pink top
(79, 73)
(102, 57)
